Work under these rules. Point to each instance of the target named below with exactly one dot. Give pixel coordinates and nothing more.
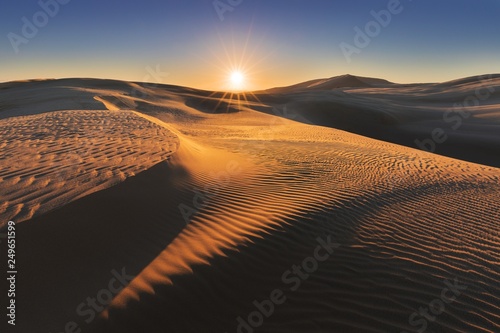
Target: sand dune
(343, 81)
(466, 110)
(53, 158)
(236, 199)
(389, 245)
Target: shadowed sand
(464, 112)
(256, 192)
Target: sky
(201, 43)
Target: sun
(237, 80)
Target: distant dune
(344, 81)
(466, 110)
(179, 210)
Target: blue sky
(274, 42)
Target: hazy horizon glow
(272, 43)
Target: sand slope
(343, 81)
(53, 158)
(396, 246)
(242, 198)
(465, 111)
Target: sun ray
(238, 67)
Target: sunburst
(238, 68)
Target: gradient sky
(275, 42)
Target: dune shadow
(358, 289)
(69, 254)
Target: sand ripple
(51, 159)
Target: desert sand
(216, 202)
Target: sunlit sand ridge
(242, 198)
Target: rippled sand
(211, 211)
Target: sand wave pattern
(51, 159)
(417, 235)
(406, 223)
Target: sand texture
(212, 202)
